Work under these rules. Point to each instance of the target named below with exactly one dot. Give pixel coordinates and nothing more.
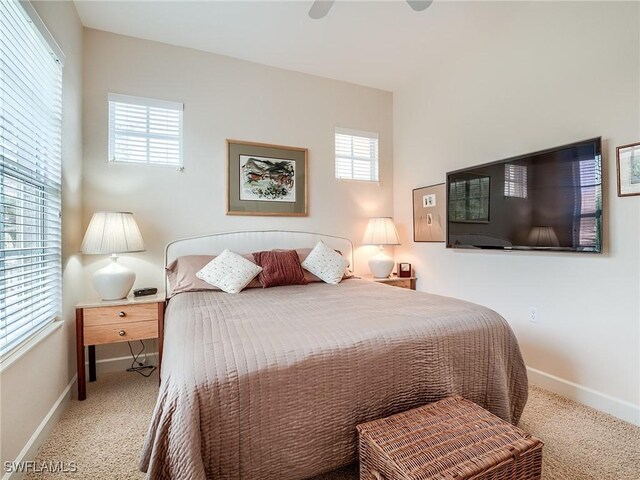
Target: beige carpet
(104, 435)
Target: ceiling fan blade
(419, 5)
(320, 8)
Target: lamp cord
(138, 366)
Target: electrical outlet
(533, 315)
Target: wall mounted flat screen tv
(549, 200)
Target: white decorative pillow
(229, 272)
(326, 264)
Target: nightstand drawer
(120, 314)
(100, 322)
(123, 332)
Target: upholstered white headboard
(253, 241)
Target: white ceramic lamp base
(114, 281)
(381, 264)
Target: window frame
(374, 158)
(113, 98)
(516, 180)
(463, 195)
(596, 215)
(31, 167)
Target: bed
(270, 383)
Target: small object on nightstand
(404, 270)
(143, 292)
(102, 322)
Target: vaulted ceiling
(373, 43)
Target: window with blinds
(356, 155)
(589, 205)
(30, 178)
(469, 200)
(145, 131)
(515, 180)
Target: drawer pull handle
(121, 333)
(122, 314)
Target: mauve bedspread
(270, 383)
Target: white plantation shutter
(356, 155)
(145, 131)
(515, 180)
(30, 177)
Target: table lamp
(543, 237)
(112, 233)
(381, 231)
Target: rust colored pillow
(279, 268)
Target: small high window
(515, 180)
(145, 131)
(356, 155)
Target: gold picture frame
(266, 180)
(628, 166)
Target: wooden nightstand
(402, 282)
(101, 322)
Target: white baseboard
(621, 409)
(592, 398)
(41, 433)
(119, 364)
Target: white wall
(223, 98)
(32, 384)
(556, 73)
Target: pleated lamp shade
(112, 232)
(381, 231)
(543, 237)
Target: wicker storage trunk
(450, 439)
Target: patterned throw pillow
(229, 272)
(303, 253)
(326, 264)
(280, 268)
(182, 275)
